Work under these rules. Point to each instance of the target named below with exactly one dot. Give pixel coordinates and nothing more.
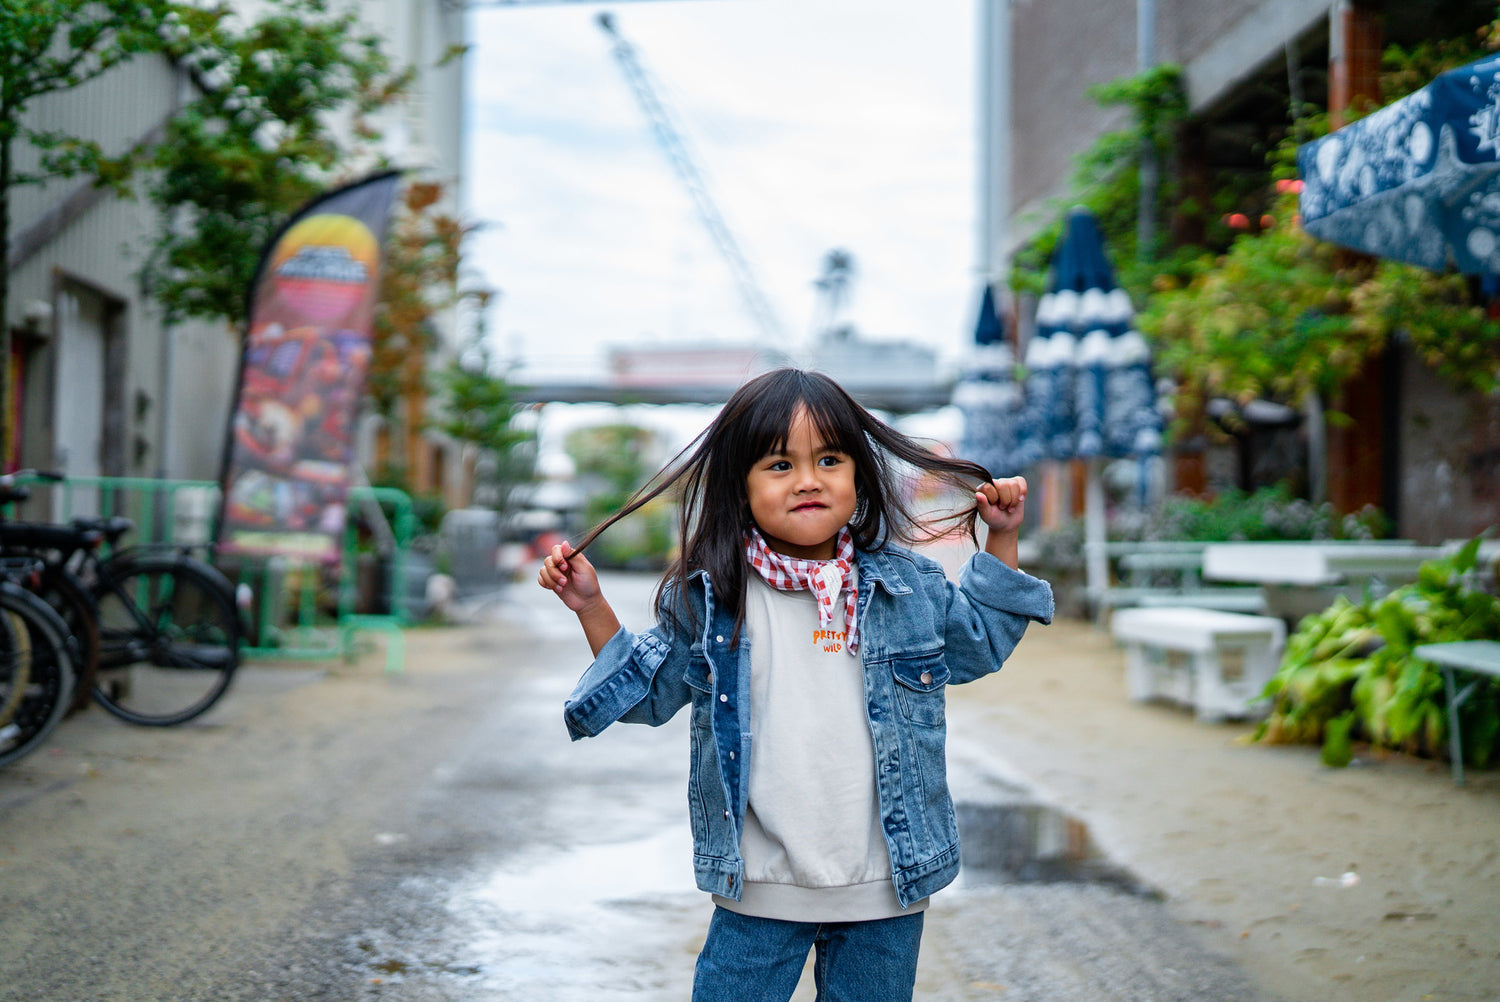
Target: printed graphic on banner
(291, 436)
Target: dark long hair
(715, 504)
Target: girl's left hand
(1002, 503)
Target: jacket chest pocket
(920, 687)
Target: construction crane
(671, 140)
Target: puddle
(586, 922)
(624, 919)
(1030, 842)
(560, 883)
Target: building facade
(103, 387)
(1245, 64)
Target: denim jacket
(919, 633)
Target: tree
(418, 280)
(479, 408)
(258, 143)
(48, 46)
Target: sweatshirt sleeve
(988, 612)
(637, 678)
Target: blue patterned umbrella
(1089, 390)
(1417, 181)
(988, 396)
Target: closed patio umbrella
(988, 396)
(1089, 389)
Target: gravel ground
(333, 833)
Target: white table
(1479, 657)
(1312, 564)
(1302, 578)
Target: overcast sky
(819, 123)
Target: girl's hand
(1002, 504)
(574, 580)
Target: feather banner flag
(290, 442)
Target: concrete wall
(1061, 48)
(1449, 459)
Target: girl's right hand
(571, 577)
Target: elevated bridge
(909, 398)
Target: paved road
(331, 833)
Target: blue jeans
(748, 959)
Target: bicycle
(167, 623)
(37, 659)
(58, 586)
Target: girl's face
(802, 494)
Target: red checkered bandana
(824, 578)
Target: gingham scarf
(824, 578)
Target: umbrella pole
(1096, 558)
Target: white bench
(1216, 662)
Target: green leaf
(1337, 746)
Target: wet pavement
(331, 833)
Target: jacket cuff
(619, 678)
(992, 582)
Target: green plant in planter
(1349, 672)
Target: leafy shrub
(1267, 515)
(644, 541)
(1270, 514)
(1349, 671)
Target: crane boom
(670, 138)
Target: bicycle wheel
(49, 654)
(168, 639)
(72, 601)
(15, 665)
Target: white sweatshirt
(812, 844)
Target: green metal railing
(287, 622)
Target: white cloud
(819, 123)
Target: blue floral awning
(1417, 181)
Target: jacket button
(723, 697)
(726, 814)
(719, 638)
(731, 756)
(927, 678)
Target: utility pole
(994, 137)
(1150, 171)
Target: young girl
(814, 652)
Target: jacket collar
(879, 567)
